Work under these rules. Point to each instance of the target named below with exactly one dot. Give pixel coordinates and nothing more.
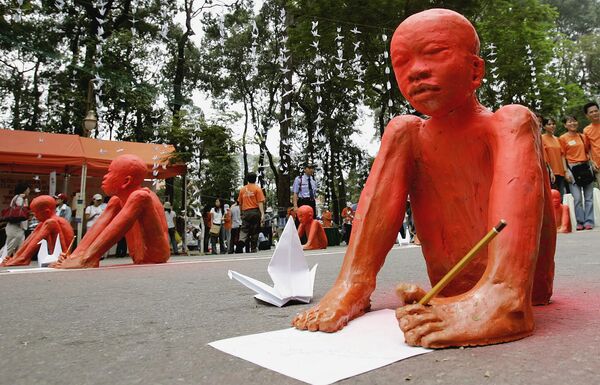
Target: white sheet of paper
(367, 343)
(44, 257)
(292, 280)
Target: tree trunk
(244, 150)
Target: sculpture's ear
(128, 182)
(478, 71)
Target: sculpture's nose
(419, 71)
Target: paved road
(151, 324)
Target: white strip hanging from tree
(318, 74)
(496, 85)
(533, 73)
(357, 67)
(387, 72)
(100, 7)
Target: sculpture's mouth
(424, 88)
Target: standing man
(93, 211)
(592, 131)
(251, 201)
(236, 223)
(347, 218)
(62, 208)
(305, 189)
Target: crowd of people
(573, 161)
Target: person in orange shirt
(227, 225)
(592, 133)
(576, 148)
(251, 201)
(347, 218)
(553, 155)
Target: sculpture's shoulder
(515, 118)
(405, 123)
(62, 221)
(403, 127)
(143, 192)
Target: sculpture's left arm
(516, 195)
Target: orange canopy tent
(41, 152)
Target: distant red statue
(50, 226)
(133, 211)
(561, 214)
(465, 168)
(327, 218)
(313, 229)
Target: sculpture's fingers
(412, 321)
(413, 337)
(438, 339)
(410, 310)
(409, 293)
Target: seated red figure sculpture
(50, 226)
(313, 229)
(133, 211)
(561, 214)
(463, 168)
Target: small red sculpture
(561, 214)
(465, 168)
(49, 227)
(133, 211)
(313, 229)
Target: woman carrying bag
(15, 231)
(579, 172)
(217, 230)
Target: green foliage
(219, 169)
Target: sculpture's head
(556, 201)
(305, 214)
(125, 173)
(435, 59)
(43, 207)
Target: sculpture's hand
(409, 293)
(552, 177)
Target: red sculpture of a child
(561, 214)
(313, 229)
(50, 226)
(133, 211)
(465, 168)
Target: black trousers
(249, 230)
(308, 202)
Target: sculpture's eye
(432, 51)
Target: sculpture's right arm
(382, 202)
(112, 209)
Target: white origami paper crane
(44, 258)
(288, 269)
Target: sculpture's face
(434, 63)
(305, 214)
(114, 179)
(43, 213)
(555, 198)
